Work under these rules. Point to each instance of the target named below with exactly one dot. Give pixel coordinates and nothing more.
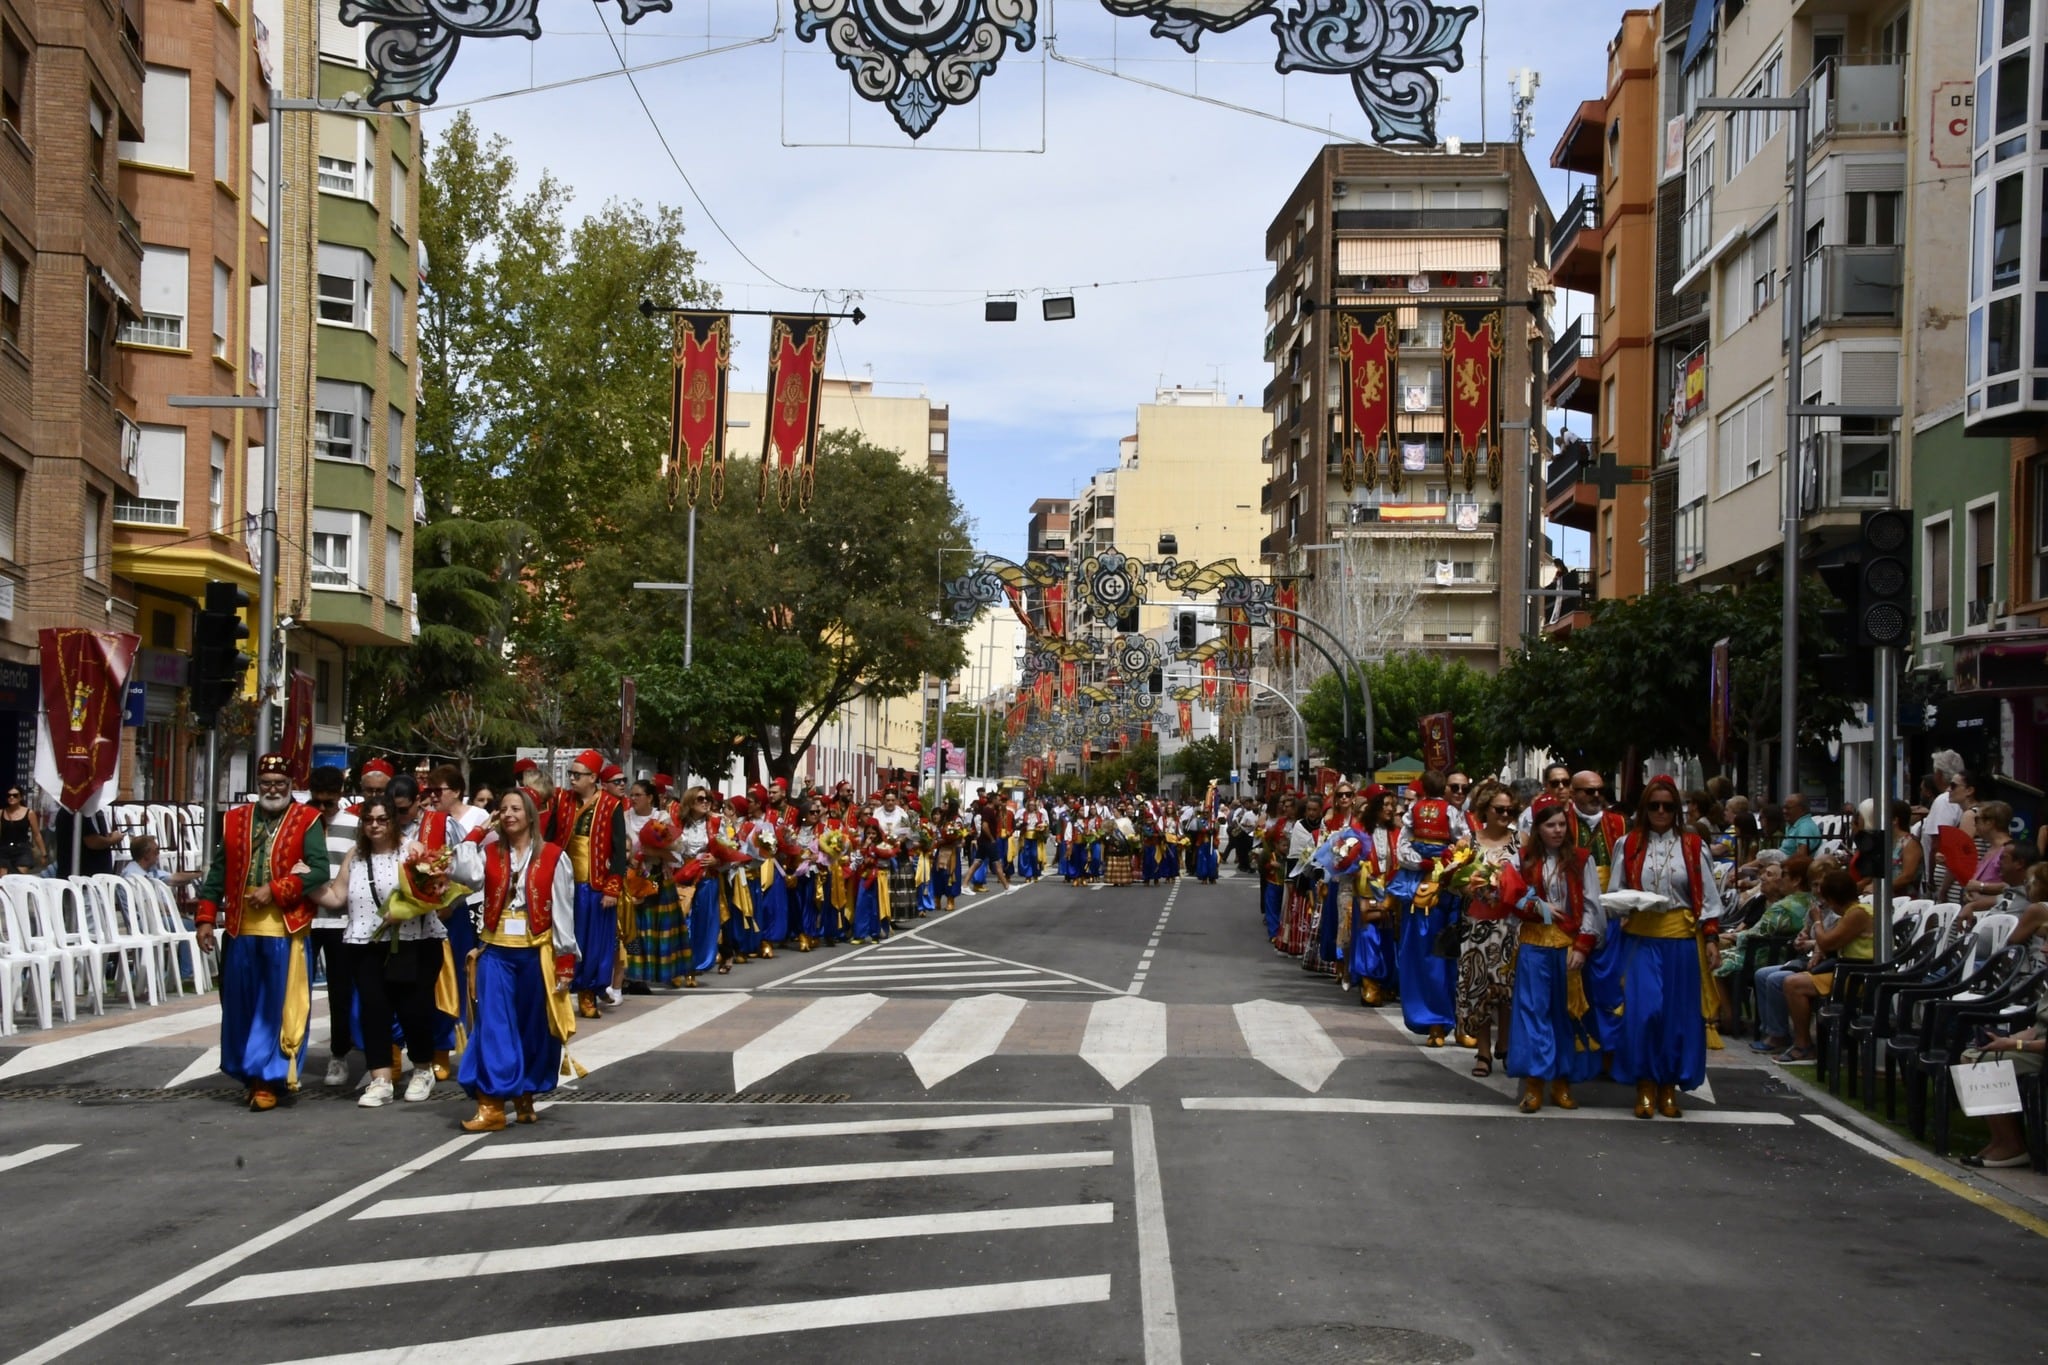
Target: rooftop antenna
(1524, 82)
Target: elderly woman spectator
(1905, 862)
(1782, 889)
(1991, 824)
(1704, 817)
(2025, 1049)
(1845, 934)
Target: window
(259, 172)
(341, 421)
(217, 486)
(938, 443)
(1747, 447)
(1696, 226)
(1982, 528)
(338, 41)
(2037, 473)
(1457, 199)
(1750, 129)
(1613, 280)
(164, 280)
(1934, 574)
(13, 81)
(337, 538)
(1464, 571)
(99, 327)
(1874, 218)
(93, 537)
(10, 508)
(166, 120)
(394, 445)
(1749, 280)
(345, 165)
(96, 119)
(400, 207)
(159, 480)
(394, 563)
(223, 286)
(1606, 563)
(345, 274)
(394, 320)
(13, 287)
(223, 136)
(1699, 80)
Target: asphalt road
(1060, 1125)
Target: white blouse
(371, 881)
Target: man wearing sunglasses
(1557, 782)
(1599, 831)
(597, 849)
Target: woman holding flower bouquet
(655, 955)
(697, 877)
(1486, 957)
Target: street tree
(1202, 761)
(1405, 688)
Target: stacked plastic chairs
(67, 940)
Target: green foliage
(961, 725)
(1137, 765)
(1405, 688)
(1203, 761)
(1634, 680)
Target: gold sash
(447, 999)
(1537, 935)
(882, 893)
(298, 1006)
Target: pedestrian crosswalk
(914, 965)
(611, 1229)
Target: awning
(1696, 37)
(1415, 255)
(2002, 662)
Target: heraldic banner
(696, 443)
(296, 743)
(1472, 393)
(85, 682)
(796, 374)
(1439, 742)
(1367, 350)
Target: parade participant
(597, 851)
(1458, 792)
(1553, 892)
(1429, 982)
(375, 777)
(525, 967)
(742, 926)
(1151, 840)
(1304, 889)
(837, 888)
(655, 956)
(1031, 839)
(800, 842)
(1201, 832)
(697, 876)
(1486, 956)
(330, 923)
(1336, 820)
(871, 864)
(761, 838)
(947, 857)
(1599, 831)
(260, 902)
(1376, 925)
(420, 823)
(1273, 841)
(1668, 997)
(465, 921)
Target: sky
(1149, 205)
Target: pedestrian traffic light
(1187, 630)
(1884, 600)
(218, 663)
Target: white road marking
(1288, 1039)
(79, 1046)
(967, 1032)
(1852, 1137)
(23, 1158)
(177, 1285)
(723, 1182)
(1124, 1038)
(579, 1340)
(1306, 1104)
(700, 1137)
(902, 938)
(1705, 1092)
(812, 1029)
(579, 1255)
(206, 1064)
(911, 971)
(993, 976)
(1155, 1261)
(656, 1028)
(1137, 985)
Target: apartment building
(347, 500)
(1045, 536)
(1456, 227)
(1604, 364)
(71, 83)
(904, 420)
(203, 208)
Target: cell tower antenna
(1523, 83)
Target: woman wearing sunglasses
(1667, 994)
(21, 836)
(1486, 955)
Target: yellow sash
(742, 900)
(882, 892)
(924, 868)
(447, 999)
(561, 1015)
(767, 873)
(1674, 924)
(578, 849)
(298, 1006)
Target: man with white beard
(270, 857)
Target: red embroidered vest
(237, 827)
(540, 886)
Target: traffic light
(218, 663)
(1187, 630)
(1884, 599)
(1842, 574)
(1157, 682)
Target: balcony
(1858, 95)
(1978, 612)
(1854, 286)
(1418, 220)
(1272, 342)
(1575, 243)
(1580, 147)
(1269, 546)
(1934, 621)
(1574, 370)
(1568, 499)
(1848, 471)
(1271, 493)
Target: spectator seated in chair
(1845, 934)
(2008, 1144)
(1781, 905)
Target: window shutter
(164, 280)
(1870, 377)
(10, 277)
(160, 476)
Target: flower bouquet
(424, 887)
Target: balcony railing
(1411, 220)
(1575, 345)
(1582, 213)
(1567, 468)
(1858, 286)
(1934, 621)
(1978, 613)
(1858, 95)
(1848, 470)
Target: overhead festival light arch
(919, 57)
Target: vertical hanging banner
(1240, 638)
(84, 682)
(1209, 682)
(1069, 680)
(796, 374)
(696, 442)
(296, 742)
(1439, 742)
(1285, 600)
(1721, 702)
(1366, 349)
(1056, 609)
(1187, 719)
(1471, 402)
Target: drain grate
(1348, 1343)
(90, 1094)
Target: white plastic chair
(41, 907)
(101, 912)
(156, 903)
(23, 959)
(138, 924)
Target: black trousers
(341, 989)
(383, 994)
(1241, 849)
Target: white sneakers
(421, 1086)
(376, 1095)
(610, 998)
(337, 1072)
(380, 1091)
